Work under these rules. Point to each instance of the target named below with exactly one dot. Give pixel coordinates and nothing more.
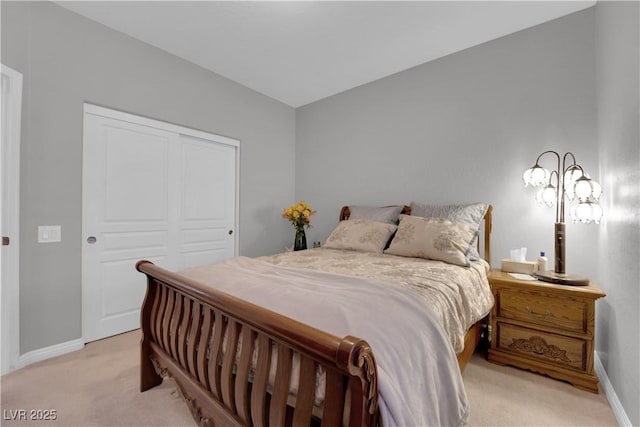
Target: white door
(9, 218)
(155, 191)
(206, 194)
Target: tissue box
(526, 267)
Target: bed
(288, 339)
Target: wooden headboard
(345, 213)
(488, 223)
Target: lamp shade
(586, 213)
(546, 196)
(570, 177)
(587, 189)
(535, 176)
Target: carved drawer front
(556, 312)
(557, 349)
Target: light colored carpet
(95, 386)
(507, 396)
(98, 386)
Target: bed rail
(219, 351)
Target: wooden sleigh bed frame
(205, 340)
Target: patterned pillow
(389, 214)
(432, 238)
(471, 214)
(361, 235)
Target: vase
(300, 243)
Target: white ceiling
(300, 52)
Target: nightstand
(545, 328)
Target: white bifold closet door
(154, 191)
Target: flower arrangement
(299, 214)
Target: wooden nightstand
(545, 328)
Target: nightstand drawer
(556, 349)
(560, 313)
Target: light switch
(49, 233)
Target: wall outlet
(49, 233)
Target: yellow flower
(299, 214)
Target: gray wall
(618, 325)
(461, 129)
(66, 60)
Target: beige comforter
(458, 296)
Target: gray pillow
(471, 214)
(389, 214)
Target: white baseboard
(609, 391)
(49, 352)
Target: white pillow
(432, 238)
(360, 235)
(470, 214)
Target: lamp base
(562, 279)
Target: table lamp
(566, 184)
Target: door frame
(97, 110)
(10, 215)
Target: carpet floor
(98, 386)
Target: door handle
(230, 232)
(6, 241)
(91, 240)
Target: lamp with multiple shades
(567, 184)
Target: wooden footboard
(234, 361)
